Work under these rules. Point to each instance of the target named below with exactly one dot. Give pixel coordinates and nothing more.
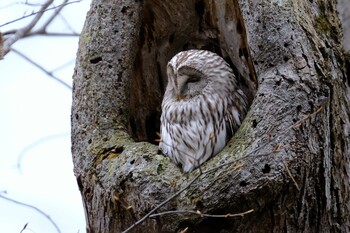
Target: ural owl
(201, 109)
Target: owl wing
(235, 112)
(232, 122)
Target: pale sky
(35, 127)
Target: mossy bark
(287, 57)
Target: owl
(201, 109)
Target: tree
(285, 170)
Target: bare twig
(44, 33)
(183, 189)
(63, 65)
(50, 74)
(21, 32)
(184, 230)
(37, 143)
(27, 30)
(37, 12)
(202, 214)
(35, 208)
(21, 3)
(308, 116)
(291, 176)
(162, 204)
(67, 24)
(53, 16)
(25, 227)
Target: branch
(35, 208)
(40, 11)
(50, 74)
(53, 16)
(27, 30)
(42, 30)
(21, 32)
(149, 214)
(162, 204)
(42, 33)
(291, 176)
(45, 33)
(202, 214)
(63, 65)
(37, 143)
(26, 228)
(67, 23)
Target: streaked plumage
(201, 109)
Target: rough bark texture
(288, 59)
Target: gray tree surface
(287, 168)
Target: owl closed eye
(190, 82)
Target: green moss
(326, 22)
(323, 24)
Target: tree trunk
(290, 158)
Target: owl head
(194, 72)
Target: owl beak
(179, 85)
(179, 97)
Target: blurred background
(35, 160)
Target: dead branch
(35, 144)
(291, 176)
(162, 204)
(23, 31)
(50, 74)
(27, 30)
(53, 16)
(34, 13)
(202, 214)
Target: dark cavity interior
(162, 35)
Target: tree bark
(291, 154)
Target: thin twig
(40, 33)
(53, 16)
(21, 32)
(162, 204)
(202, 214)
(35, 208)
(25, 227)
(67, 24)
(50, 74)
(291, 176)
(21, 3)
(63, 34)
(180, 191)
(37, 143)
(63, 66)
(26, 31)
(37, 12)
